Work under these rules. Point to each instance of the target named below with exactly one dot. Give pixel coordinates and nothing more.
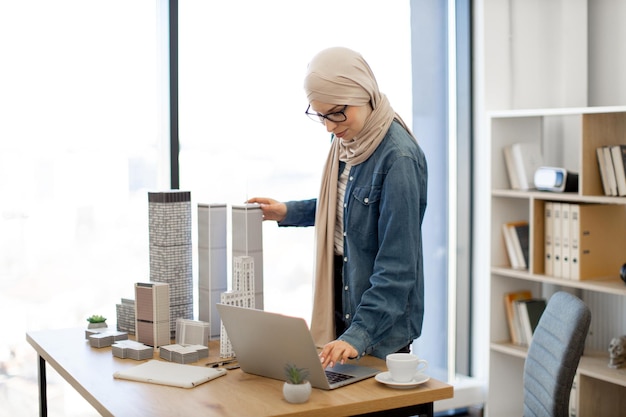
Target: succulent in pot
(297, 389)
(96, 321)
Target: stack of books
(580, 240)
(522, 160)
(523, 313)
(612, 166)
(516, 243)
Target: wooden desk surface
(90, 371)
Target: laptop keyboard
(334, 377)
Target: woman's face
(349, 128)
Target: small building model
(152, 311)
(183, 353)
(106, 338)
(192, 332)
(126, 315)
(242, 295)
(130, 349)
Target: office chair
(553, 356)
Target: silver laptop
(265, 342)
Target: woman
(369, 295)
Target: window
(78, 151)
(80, 144)
(243, 131)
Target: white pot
(100, 325)
(297, 393)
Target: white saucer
(385, 378)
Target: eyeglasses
(335, 117)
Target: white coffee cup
(404, 366)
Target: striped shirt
(341, 191)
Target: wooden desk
(90, 371)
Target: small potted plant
(297, 388)
(96, 321)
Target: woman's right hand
(272, 209)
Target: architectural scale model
(242, 295)
(130, 349)
(183, 353)
(126, 315)
(106, 338)
(214, 248)
(171, 249)
(243, 283)
(247, 240)
(152, 311)
(192, 332)
(212, 262)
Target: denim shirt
(383, 277)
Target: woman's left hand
(337, 351)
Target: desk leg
(419, 410)
(427, 410)
(43, 397)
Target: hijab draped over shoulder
(340, 76)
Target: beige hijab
(340, 76)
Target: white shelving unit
(549, 71)
(601, 391)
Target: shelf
(611, 285)
(565, 111)
(573, 142)
(594, 364)
(549, 196)
(528, 98)
(510, 349)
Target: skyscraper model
(212, 262)
(171, 250)
(247, 231)
(213, 249)
(152, 312)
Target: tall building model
(152, 311)
(171, 250)
(212, 262)
(213, 255)
(247, 240)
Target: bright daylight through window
(78, 151)
(80, 147)
(243, 128)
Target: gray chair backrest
(553, 356)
